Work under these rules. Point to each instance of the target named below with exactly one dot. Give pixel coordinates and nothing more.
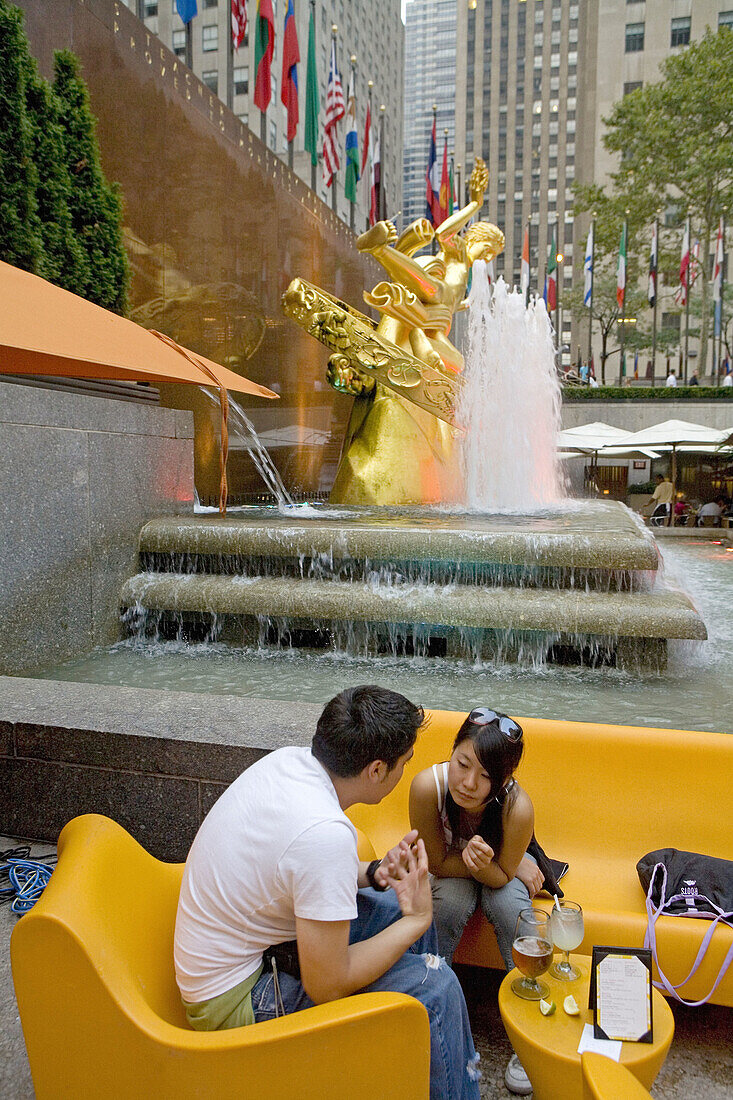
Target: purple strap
(712, 913)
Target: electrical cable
(23, 879)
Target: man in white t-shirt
(671, 379)
(274, 873)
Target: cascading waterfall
(511, 401)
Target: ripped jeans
(453, 1060)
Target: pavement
(699, 1064)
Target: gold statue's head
(483, 241)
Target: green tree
(65, 261)
(675, 144)
(20, 229)
(95, 205)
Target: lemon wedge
(547, 1008)
(571, 1006)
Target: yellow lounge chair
(604, 1079)
(102, 1018)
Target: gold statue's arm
(379, 241)
(477, 184)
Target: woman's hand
(529, 873)
(477, 855)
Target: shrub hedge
(659, 393)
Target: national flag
(187, 9)
(352, 144)
(550, 294)
(335, 110)
(239, 22)
(588, 267)
(291, 57)
(366, 148)
(653, 263)
(264, 49)
(684, 266)
(432, 212)
(444, 184)
(375, 174)
(621, 270)
(636, 364)
(524, 275)
(718, 276)
(312, 105)
(452, 190)
(695, 261)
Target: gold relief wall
(216, 226)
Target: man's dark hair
(363, 724)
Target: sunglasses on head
(484, 716)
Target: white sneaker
(515, 1079)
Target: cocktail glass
(532, 953)
(567, 933)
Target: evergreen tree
(95, 205)
(20, 231)
(65, 260)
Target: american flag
(335, 110)
(239, 22)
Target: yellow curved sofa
(102, 1019)
(603, 797)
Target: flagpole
(687, 296)
(189, 45)
(722, 288)
(352, 205)
(590, 301)
(382, 208)
(557, 293)
(314, 167)
(230, 63)
(656, 299)
(621, 365)
(434, 243)
(334, 181)
(368, 173)
(458, 186)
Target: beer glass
(532, 953)
(566, 924)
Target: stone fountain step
(600, 535)
(566, 611)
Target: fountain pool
(694, 692)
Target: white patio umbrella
(678, 435)
(599, 440)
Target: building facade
(534, 80)
(430, 70)
(372, 33)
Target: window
(150, 9)
(725, 19)
(179, 43)
(209, 38)
(634, 37)
(680, 31)
(241, 81)
(671, 323)
(632, 85)
(211, 80)
(210, 3)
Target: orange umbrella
(47, 330)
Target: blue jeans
(453, 1060)
(456, 899)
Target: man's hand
(477, 855)
(478, 181)
(410, 882)
(530, 875)
(395, 857)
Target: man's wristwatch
(370, 876)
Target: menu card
(621, 994)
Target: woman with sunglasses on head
(476, 822)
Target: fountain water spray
(511, 402)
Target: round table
(547, 1046)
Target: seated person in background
(662, 500)
(275, 863)
(476, 822)
(681, 510)
(711, 511)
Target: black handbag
(552, 869)
(687, 884)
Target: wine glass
(567, 933)
(532, 953)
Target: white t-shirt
(728, 380)
(277, 844)
(671, 380)
(710, 509)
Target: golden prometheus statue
(401, 441)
